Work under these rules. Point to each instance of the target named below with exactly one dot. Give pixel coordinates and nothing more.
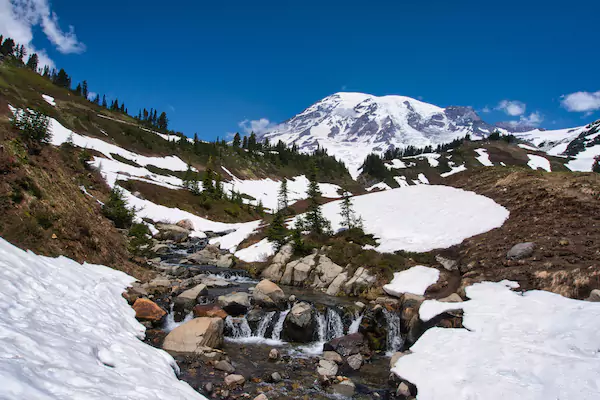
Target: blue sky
(212, 66)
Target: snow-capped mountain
(352, 125)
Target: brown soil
(558, 211)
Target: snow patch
(49, 100)
(536, 162)
(454, 170)
(414, 280)
(258, 252)
(484, 157)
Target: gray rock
(355, 361)
(594, 295)
(336, 285)
(344, 388)
(224, 366)
(268, 294)
(234, 380)
(261, 397)
(453, 298)
(450, 265)
(347, 345)
(403, 390)
(274, 354)
(300, 323)
(327, 368)
(224, 261)
(236, 303)
(195, 334)
(171, 232)
(274, 272)
(296, 272)
(185, 224)
(520, 251)
(276, 377)
(360, 281)
(333, 356)
(187, 300)
(325, 272)
(160, 248)
(211, 282)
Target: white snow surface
(484, 158)
(380, 186)
(527, 147)
(454, 170)
(535, 345)
(258, 252)
(423, 217)
(414, 280)
(49, 100)
(536, 162)
(67, 333)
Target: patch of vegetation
(139, 239)
(116, 209)
(33, 127)
(125, 160)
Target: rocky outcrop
(171, 232)
(360, 281)
(190, 337)
(236, 303)
(148, 311)
(300, 323)
(267, 294)
(296, 272)
(325, 272)
(186, 300)
(274, 272)
(336, 286)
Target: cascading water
(239, 327)
(264, 324)
(394, 339)
(279, 325)
(170, 323)
(335, 326)
(355, 323)
(321, 328)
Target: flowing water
(394, 338)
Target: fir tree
(162, 122)
(314, 221)
(104, 101)
(277, 232)
(245, 143)
(596, 164)
(33, 61)
(219, 191)
(236, 140)
(252, 142)
(62, 79)
(207, 182)
(260, 208)
(84, 89)
(349, 218)
(8, 47)
(116, 209)
(78, 89)
(282, 196)
(190, 181)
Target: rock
(269, 295)
(234, 380)
(396, 356)
(355, 361)
(325, 272)
(450, 265)
(333, 356)
(292, 299)
(276, 377)
(198, 332)
(344, 388)
(224, 366)
(208, 387)
(254, 317)
(563, 242)
(173, 270)
(188, 299)
(360, 281)
(171, 232)
(521, 250)
(336, 285)
(297, 271)
(261, 397)
(594, 296)
(235, 303)
(149, 311)
(209, 310)
(160, 248)
(274, 354)
(347, 345)
(274, 271)
(327, 368)
(360, 305)
(387, 301)
(403, 390)
(185, 224)
(299, 325)
(224, 261)
(211, 282)
(209, 354)
(453, 298)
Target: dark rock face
(373, 328)
(348, 345)
(300, 324)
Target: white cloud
(19, 17)
(486, 109)
(534, 120)
(512, 107)
(257, 126)
(581, 101)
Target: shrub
(116, 209)
(34, 126)
(139, 238)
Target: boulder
(148, 311)
(195, 334)
(185, 224)
(594, 296)
(520, 251)
(274, 354)
(274, 272)
(268, 294)
(355, 361)
(209, 310)
(187, 299)
(336, 286)
(344, 388)
(234, 380)
(224, 365)
(347, 345)
(296, 272)
(171, 232)
(453, 298)
(327, 368)
(224, 261)
(261, 396)
(325, 272)
(235, 303)
(333, 356)
(360, 281)
(160, 248)
(448, 264)
(300, 323)
(212, 282)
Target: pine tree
(277, 232)
(33, 61)
(8, 47)
(78, 89)
(219, 191)
(260, 208)
(46, 72)
(596, 164)
(207, 182)
(162, 122)
(252, 142)
(314, 221)
(104, 101)
(190, 181)
(84, 89)
(236, 140)
(349, 218)
(245, 143)
(282, 196)
(116, 209)
(97, 99)
(62, 79)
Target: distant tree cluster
(496, 135)
(408, 151)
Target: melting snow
(535, 345)
(258, 252)
(484, 157)
(414, 280)
(454, 170)
(536, 162)
(49, 100)
(527, 147)
(67, 333)
(380, 185)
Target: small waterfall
(239, 327)
(264, 324)
(355, 323)
(170, 323)
(321, 328)
(394, 339)
(335, 326)
(279, 325)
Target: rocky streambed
(235, 337)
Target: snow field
(414, 280)
(67, 333)
(535, 345)
(536, 162)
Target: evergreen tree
(162, 122)
(116, 209)
(34, 127)
(78, 89)
(190, 181)
(349, 218)
(33, 61)
(62, 79)
(596, 164)
(260, 208)
(154, 118)
(282, 196)
(277, 232)
(122, 107)
(104, 101)
(97, 99)
(207, 182)
(115, 105)
(314, 221)
(46, 72)
(236, 140)
(252, 142)
(245, 143)
(219, 191)
(8, 47)
(84, 89)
